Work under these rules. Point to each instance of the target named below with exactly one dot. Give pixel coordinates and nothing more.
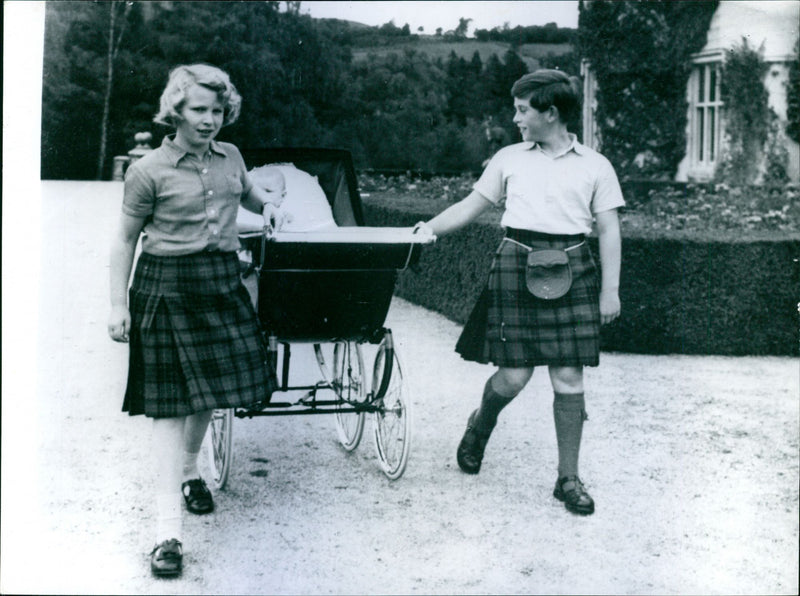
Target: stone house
(772, 25)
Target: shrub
(686, 289)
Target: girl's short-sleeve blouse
(189, 204)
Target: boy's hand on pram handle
(423, 228)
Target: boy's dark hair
(549, 87)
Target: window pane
(712, 133)
(712, 84)
(701, 81)
(700, 133)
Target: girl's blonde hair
(205, 75)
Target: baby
(272, 181)
(306, 206)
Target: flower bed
(651, 206)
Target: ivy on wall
(640, 53)
(753, 134)
(793, 96)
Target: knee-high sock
(491, 406)
(569, 412)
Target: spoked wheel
(393, 420)
(219, 443)
(342, 365)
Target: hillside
(389, 39)
(435, 48)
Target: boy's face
(531, 122)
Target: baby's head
(271, 180)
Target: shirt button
(205, 170)
(210, 193)
(212, 211)
(214, 231)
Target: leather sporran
(548, 274)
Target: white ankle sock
(168, 521)
(190, 470)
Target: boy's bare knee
(510, 381)
(567, 379)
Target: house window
(706, 116)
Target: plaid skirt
(510, 327)
(195, 341)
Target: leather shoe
(197, 496)
(570, 490)
(166, 560)
(470, 451)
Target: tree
(117, 21)
(461, 31)
(75, 91)
(640, 53)
(291, 76)
(297, 77)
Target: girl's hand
(274, 216)
(609, 306)
(119, 324)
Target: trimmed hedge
(680, 294)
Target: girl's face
(201, 118)
(532, 124)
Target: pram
(331, 289)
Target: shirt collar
(176, 153)
(573, 146)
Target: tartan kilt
(195, 341)
(510, 327)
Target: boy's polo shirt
(189, 204)
(551, 195)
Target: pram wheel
(344, 370)
(392, 421)
(219, 446)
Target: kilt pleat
(510, 327)
(195, 341)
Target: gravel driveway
(693, 463)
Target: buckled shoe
(570, 490)
(470, 450)
(166, 560)
(197, 496)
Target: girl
(195, 343)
